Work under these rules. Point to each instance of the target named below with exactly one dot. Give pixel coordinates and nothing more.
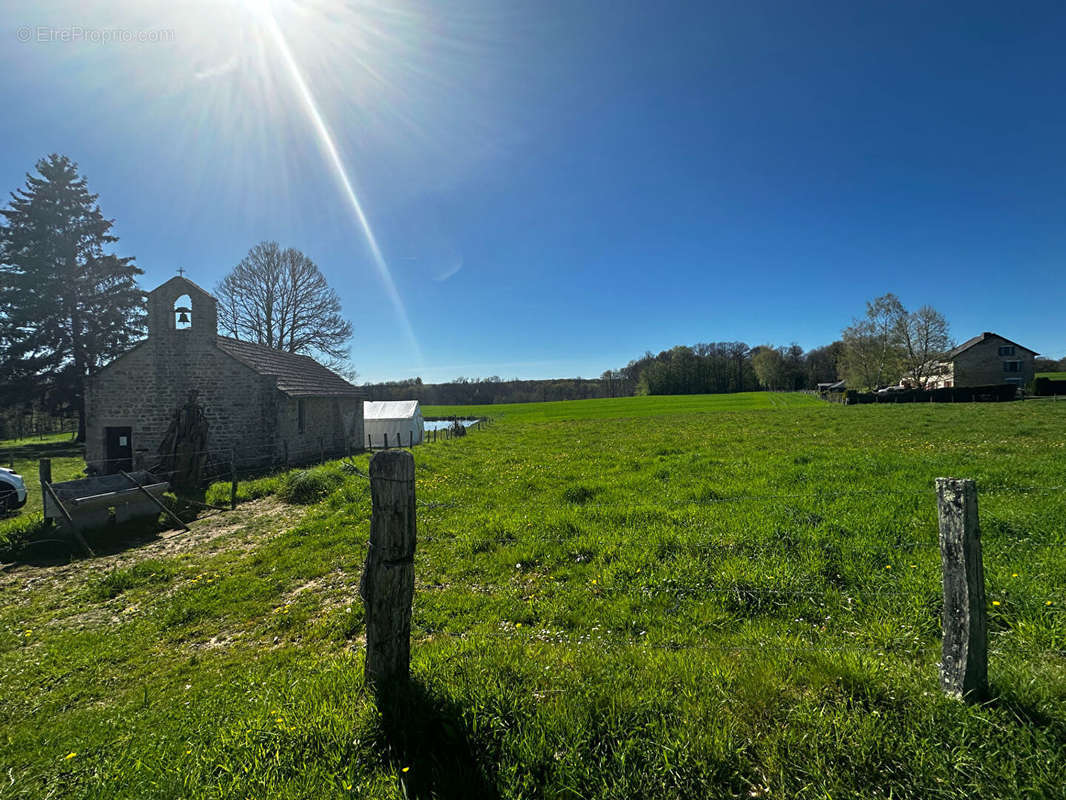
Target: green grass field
(1055, 376)
(24, 454)
(645, 597)
(624, 407)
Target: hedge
(1045, 387)
(957, 394)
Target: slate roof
(390, 409)
(297, 376)
(977, 340)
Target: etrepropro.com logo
(51, 34)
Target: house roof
(297, 375)
(980, 338)
(389, 409)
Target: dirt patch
(221, 531)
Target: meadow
(724, 596)
(23, 455)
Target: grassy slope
(1055, 376)
(743, 603)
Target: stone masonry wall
(982, 365)
(145, 387)
(327, 421)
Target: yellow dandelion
(914, 566)
(27, 633)
(888, 566)
(405, 769)
(995, 602)
(1049, 603)
(1014, 575)
(518, 624)
(188, 752)
(70, 756)
(593, 581)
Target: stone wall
(982, 365)
(144, 388)
(327, 423)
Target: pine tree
(66, 306)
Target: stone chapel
(261, 405)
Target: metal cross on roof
(181, 271)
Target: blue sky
(556, 187)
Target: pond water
(441, 424)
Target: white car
(12, 490)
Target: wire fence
(771, 597)
(743, 592)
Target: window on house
(1011, 366)
(1015, 381)
(301, 415)
(1006, 349)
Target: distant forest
(706, 368)
(714, 368)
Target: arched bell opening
(183, 313)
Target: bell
(183, 314)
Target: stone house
(984, 360)
(262, 405)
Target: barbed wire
(849, 594)
(769, 647)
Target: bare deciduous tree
(280, 299)
(871, 351)
(891, 342)
(924, 339)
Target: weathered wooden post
(44, 472)
(370, 442)
(388, 583)
(964, 660)
(386, 439)
(233, 479)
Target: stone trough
(97, 501)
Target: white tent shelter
(400, 420)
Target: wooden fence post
(386, 438)
(370, 442)
(964, 660)
(44, 471)
(388, 583)
(233, 480)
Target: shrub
(118, 581)
(17, 532)
(305, 486)
(579, 495)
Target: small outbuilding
(389, 423)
